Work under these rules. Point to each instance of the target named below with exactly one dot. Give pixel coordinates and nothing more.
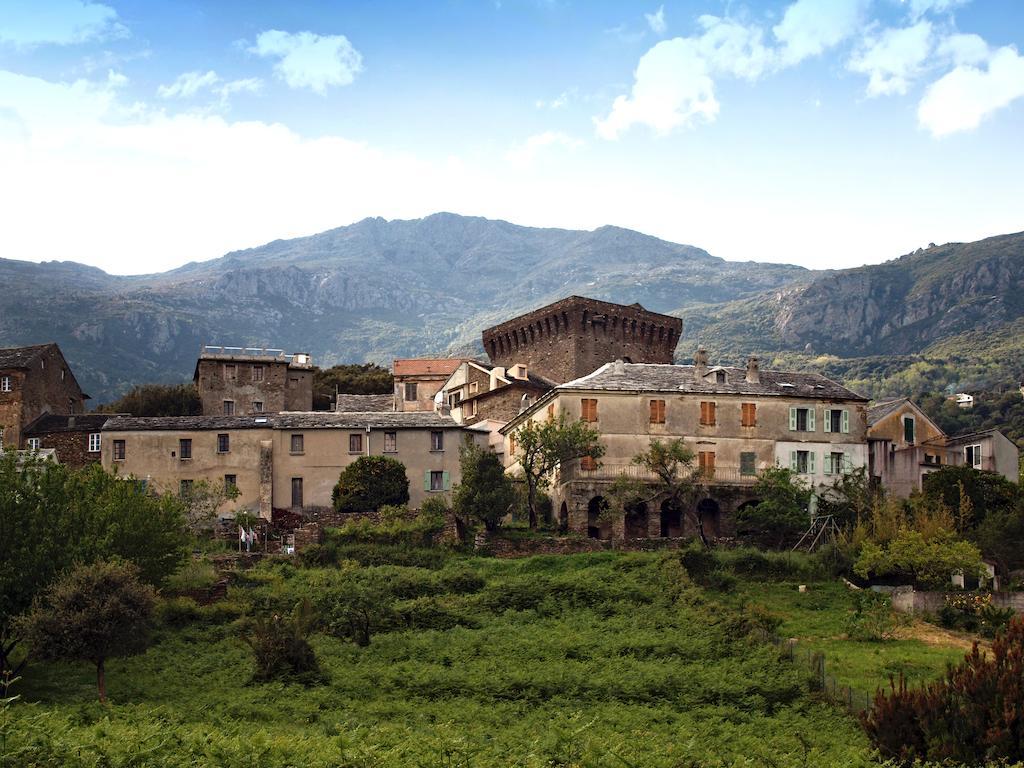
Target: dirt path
(930, 634)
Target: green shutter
(846, 422)
(447, 480)
(792, 419)
(828, 464)
(812, 505)
(810, 462)
(847, 464)
(810, 419)
(792, 462)
(827, 423)
(426, 480)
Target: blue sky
(137, 136)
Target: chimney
(700, 362)
(753, 371)
(619, 366)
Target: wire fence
(853, 700)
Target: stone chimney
(700, 362)
(753, 371)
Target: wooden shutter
(588, 463)
(657, 411)
(511, 445)
(588, 409)
(707, 413)
(748, 414)
(810, 462)
(446, 480)
(810, 419)
(792, 419)
(827, 425)
(426, 480)
(793, 465)
(828, 464)
(846, 422)
(551, 411)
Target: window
(720, 377)
(436, 481)
(706, 462)
(588, 409)
(390, 442)
(474, 387)
(707, 414)
(410, 391)
(748, 463)
(230, 483)
(223, 443)
(230, 372)
(33, 443)
(229, 407)
(801, 419)
(835, 463)
(511, 445)
(802, 462)
(837, 420)
(748, 414)
(185, 488)
(470, 408)
(185, 448)
(297, 490)
(257, 373)
(94, 442)
(119, 450)
(5, 384)
(355, 442)
(908, 429)
(588, 463)
(437, 441)
(657, 411)
(972, 456)
(297, 444)
(257, 406)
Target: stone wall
(46, 386)
(282, 388)
(909, 600)
(72, 447)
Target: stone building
(988, 451)
(419, 379)
(76, 439)
(285, 460)
(34, 381)
(478, 391)
(737, 422)
(574, 336)
(236, 381)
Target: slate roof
(879, 411)
(346, 403)
(286, 420)
(20, 357)
(50, 423)
(651, 377)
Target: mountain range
(379, 289)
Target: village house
(76, 439)
(238, 381)
(478, 391)
(419, 379)
(34, 381)
(988, 450)
(284, 461)
(736, 421)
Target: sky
(137, 136)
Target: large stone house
(737, 422)
(75, 439)
(237, 381)
(286, 460)
(34, 381)
(479, 391)
(419, 379)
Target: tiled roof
(650, 377)
(20, 357)
(49, 423)
(286, 420)
(427, 366)
(879, 411)
(364, 403)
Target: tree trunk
(531, 502)
(101, 680)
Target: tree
(486, 492)
(1001, 537)
(987, 491)
(369, 483)
(157, 400)
(364, 379)
(94, 613)
(280, 645)
(676, 481)
(783, 507)
(850, 498)
(928, 561)
(202, 502)
(540, 446)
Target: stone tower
(576, 336)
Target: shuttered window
(355, 442)
(657, 411)
(588, 463)
(748, 414)
(434, 480)
(706, 462)
(707, 414)
(801, 419)
(588, 409)
(748, 463)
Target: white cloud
(673, 83)
(964, 49)
(57, 22)
(526, 153)
(919, 8)
(308, 60)
(188, 84)
(656, 21)
(560, 101)
(810, 27)
(245, 85)
(893, 58)
(961, 99)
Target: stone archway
(710, 514)
(596, 527)
(671, 519)
(563, 518)
(636, 520)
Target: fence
(853, 700)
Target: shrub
(486, 493)
(369, 483)
(281, 647)
(972, 716)
(872, 618)
(462, 580)
(194, 576)
(432, 613)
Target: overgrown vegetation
(352, 379)
(157, 400)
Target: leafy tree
(94, 613)
(987, 491)
(540, 446)
(369, 483)
(280, 645)
(202, 502)
(486, 493)
(850, 498)
(911, 556)
(676, 481)
(157, 400)
(364, 379)
(782, 509)
(1001, 537)
(52, 516)
(361, 607)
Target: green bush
(433, 613)
(462, 580)
(872, 619)
(194, 575)
(281, 648)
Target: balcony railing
(612, 470)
